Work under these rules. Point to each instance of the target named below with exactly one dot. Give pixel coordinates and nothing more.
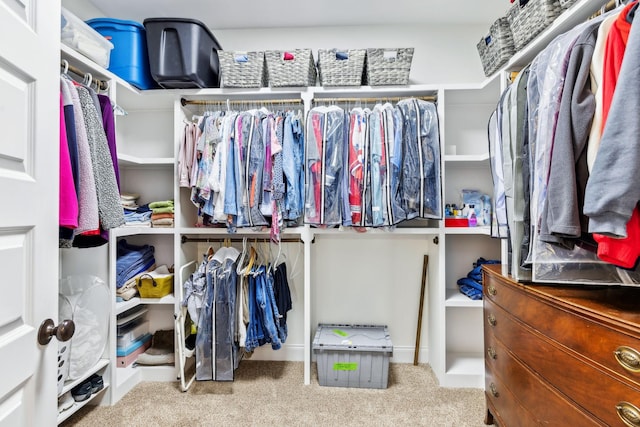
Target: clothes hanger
(88, 78)
(252, 258)
(65, 69)
(243, 255)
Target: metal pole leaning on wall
(425, 265)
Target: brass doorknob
(63, 332)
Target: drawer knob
(628, 358)
(494, 390)
(491, 318)
(491, 352)
(492, 290)
(629, 414)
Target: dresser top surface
(619, 304)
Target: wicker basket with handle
(242, 69)
(291, 68)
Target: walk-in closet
(335, 198)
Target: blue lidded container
(129, 57)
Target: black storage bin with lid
(182, 53)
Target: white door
(29, 147)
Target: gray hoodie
(613, 189)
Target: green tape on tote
(340, 333)
(345, 366)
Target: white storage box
(84, 39)
(352, 355)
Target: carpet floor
(272, 394)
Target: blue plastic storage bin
(129, 58)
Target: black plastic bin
(182, 53)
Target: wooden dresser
(560, 355)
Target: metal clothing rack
(429, 98)
(186, 102)
(608, 6)
(186, 239)
(100, 84)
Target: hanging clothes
(611, 203)
(68, 199)
(421, 179)
(358, 153)
(326, 127)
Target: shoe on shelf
(97, 383)
(65, 402)
(82, 391)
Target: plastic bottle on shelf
(473, 220)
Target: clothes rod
(430, 98)
(186, 102)
(185, 239)
(608, 6)
(100, 84)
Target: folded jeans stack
(132, 260)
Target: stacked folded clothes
(129, 201)
(162, 213)
(132, 260)
(471, 285)
(135, 215)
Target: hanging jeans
(282, 295)
(292, 158)
(263, 312)
(204, 339)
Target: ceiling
(236, 14)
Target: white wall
(443, 54)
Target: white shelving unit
(147, 165)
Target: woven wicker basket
(341, 67)
(496, 47)
(242, 69)
(298, 71)
(566, 4)
(388, 66)
(527, 21)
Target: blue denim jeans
(132, 260)
(262, 327)
(292, 166)
(267, 309)
(204, 337)
(255, 331)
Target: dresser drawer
(587, 385)
(504, 406)
(614, 349)
(548, 406)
